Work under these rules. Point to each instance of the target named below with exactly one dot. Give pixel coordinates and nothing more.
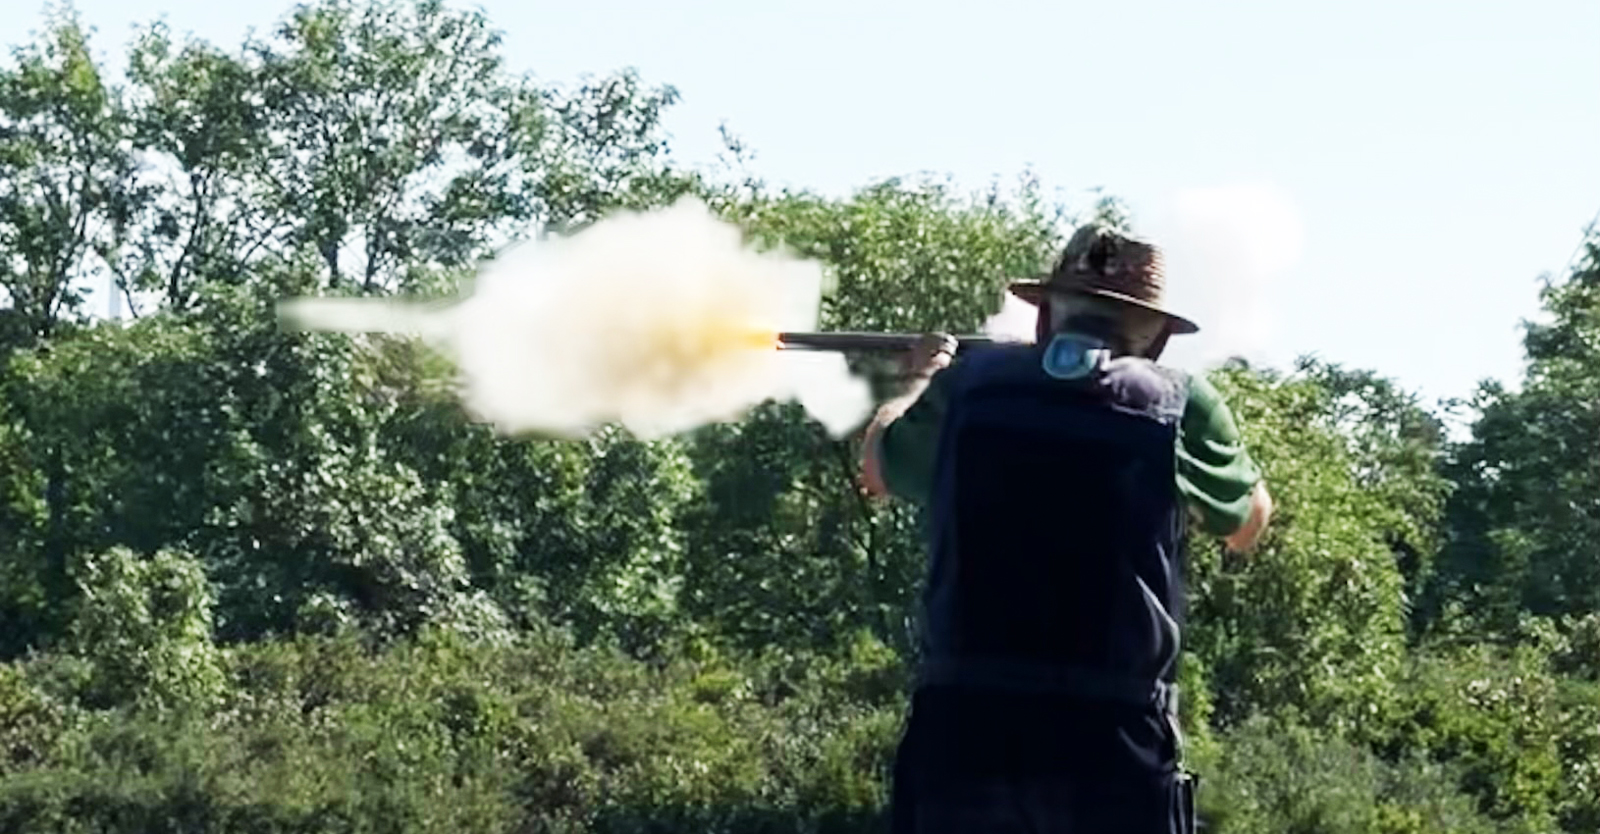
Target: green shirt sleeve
(1215, 471)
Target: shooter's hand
(931, 353)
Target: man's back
(1051, 612)
(1056, 514)
(1056, 483)
(1055, 529)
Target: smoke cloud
(659, 321)
(1227, 249)
(1015, 321)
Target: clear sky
(1381, 182)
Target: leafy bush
(1279, 776)
(439, 734)
(145, 627)
(1523, 741)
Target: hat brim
(1034, 291)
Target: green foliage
(1397, 451)
(1526, 521)
(1280, 776)
(260, 581)
(908, 257)
(407, 135)
(1524, 741)
(31, 721)
(66, 179)
(437, 735)
(145, 626)
(213, 433)
(1313, 619)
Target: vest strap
(1052, 679)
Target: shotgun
(871, 342)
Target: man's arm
(932, 355)
(1217, 474)
(1245, 539)
(872, 438)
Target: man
(1057, 480)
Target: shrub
(1279, 777)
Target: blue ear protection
(1074, 356)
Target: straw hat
(1102, 262)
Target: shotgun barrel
(864, 341)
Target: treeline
(262, 581)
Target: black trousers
(1000, 766)
(1044, 805)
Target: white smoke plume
(1227, 249)
(660, 321)
(1015, 321)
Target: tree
(66, 180)
(1396, 452)
(363, 147)
(1525, 523)
(200, 120)
(385, 140)
(393, 138)
(1312, 620)
(256, 451)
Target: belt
(1044, 678)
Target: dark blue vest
(1057, 530)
